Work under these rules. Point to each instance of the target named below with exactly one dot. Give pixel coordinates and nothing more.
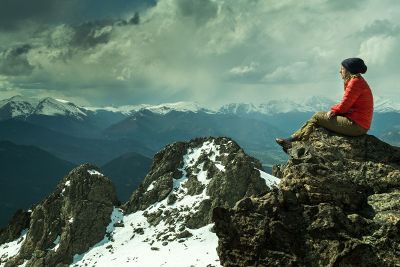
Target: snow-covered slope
(9, 250)
(51, 107)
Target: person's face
(343, 72)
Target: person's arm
(350, 96)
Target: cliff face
(338, 204)
(68, 222)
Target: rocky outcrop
(71, 220)
(212, 172)
(19, 222)
(337, 205)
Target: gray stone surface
(337, 205)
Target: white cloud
(293, 72)
(377, 49)
(243, 70)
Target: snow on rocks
(270, 180)
(95, 172)
(154, 236)
(136, 244)
(9, 250)
(192, 178)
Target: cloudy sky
(101, 52)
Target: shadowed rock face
(337, 204)
(212, 171)
(71, 220)
(19, 222)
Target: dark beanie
(354, 65)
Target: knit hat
(354, 65)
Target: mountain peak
(50, 107)
(203, 167)
(337, 201)
(67, 223)
(170, 213)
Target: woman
(352, 116)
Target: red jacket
(357, 103)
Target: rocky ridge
(188, 179)
(337, 205)
(65, 224)
(170, 211)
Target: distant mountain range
(123, 139)
(24, 107)
(100, 134)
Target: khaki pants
(338, 124)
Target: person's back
(357, 103)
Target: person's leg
(308, 127)
(342, 125)
(338, 124)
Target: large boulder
(68, 222)
(337, 205)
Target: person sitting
(352, 116)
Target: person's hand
(330, 114)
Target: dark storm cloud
(90, 34)
(13, 61)
(16, 13)
(379, 27)
(200, 11)
(345, 4)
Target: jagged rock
(19, 222)
(337, 205)
(71, 220)
(215, 171)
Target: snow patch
(94, 172)
(269, 179)
(151, 186)
(56, 243)
(10, 249)
(62, 100)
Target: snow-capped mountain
(278, 106)
(160, 109)
(166, 222)
(24, 107)
(17, 106)
(384, 105)
(53, 107)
